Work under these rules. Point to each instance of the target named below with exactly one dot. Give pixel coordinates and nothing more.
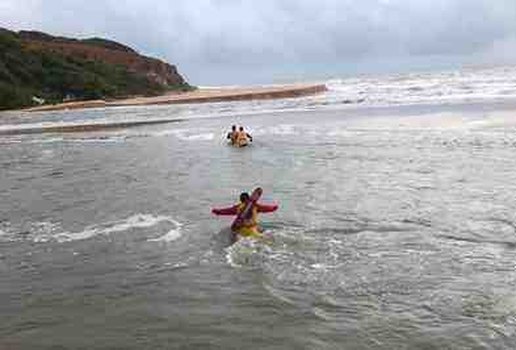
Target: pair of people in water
(240, 137)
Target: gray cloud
(224, 34)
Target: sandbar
(202, 95)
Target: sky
(221, 42)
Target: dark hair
(244, 197)
(241, 128)
(233, 127)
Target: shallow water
(396, 230)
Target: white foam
(199, 137)
(161, 133)
(135, 221)
(416, 88)
(247, 252)
(185, 134)
(172, 235)
(10, 141)
(280, 130)
(41, 232)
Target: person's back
(243, 138)
(232, 135)
(248, 226)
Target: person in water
(248, 226)
(242, 138)
(232, 135)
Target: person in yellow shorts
(248, 226)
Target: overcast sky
(247, 41)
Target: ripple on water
(496, 231)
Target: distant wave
(416, 88)
(449, 87)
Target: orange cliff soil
(106, 51)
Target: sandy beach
(201, 95)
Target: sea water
(396, 227)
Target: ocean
(396, 227)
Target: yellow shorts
(250, 232)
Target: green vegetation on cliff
(28, 76)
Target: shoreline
(203, 95)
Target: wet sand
(202, 95)
(82, 127)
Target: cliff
(107, 51)
(40, 68)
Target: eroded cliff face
(105, 51)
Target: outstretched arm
(266, 208)
(225, 211)
(250, 137)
